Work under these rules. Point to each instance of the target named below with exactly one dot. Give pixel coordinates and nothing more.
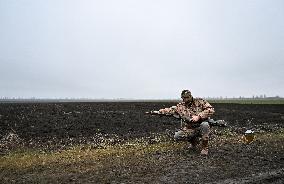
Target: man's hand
(195, 118)
(185, 118)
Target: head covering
(186, 93)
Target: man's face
(186, 99)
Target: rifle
(188, 119)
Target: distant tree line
(242, 97)
(3, 98)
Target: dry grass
(22, 159)
(26, 158)
(48, 166)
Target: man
(194, 112)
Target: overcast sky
(148, 49)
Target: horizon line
(70, 99)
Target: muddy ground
(59, 126)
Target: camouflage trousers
(192, 135)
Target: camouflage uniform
(192, 131)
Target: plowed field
(115, 142)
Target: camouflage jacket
(198, 107)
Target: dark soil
(55, 125)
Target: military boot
(204, 146)
(194, 143)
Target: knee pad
(205, 124)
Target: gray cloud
(141, 49)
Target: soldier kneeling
(194, 113)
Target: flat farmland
(115, 142)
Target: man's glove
(186, 118)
